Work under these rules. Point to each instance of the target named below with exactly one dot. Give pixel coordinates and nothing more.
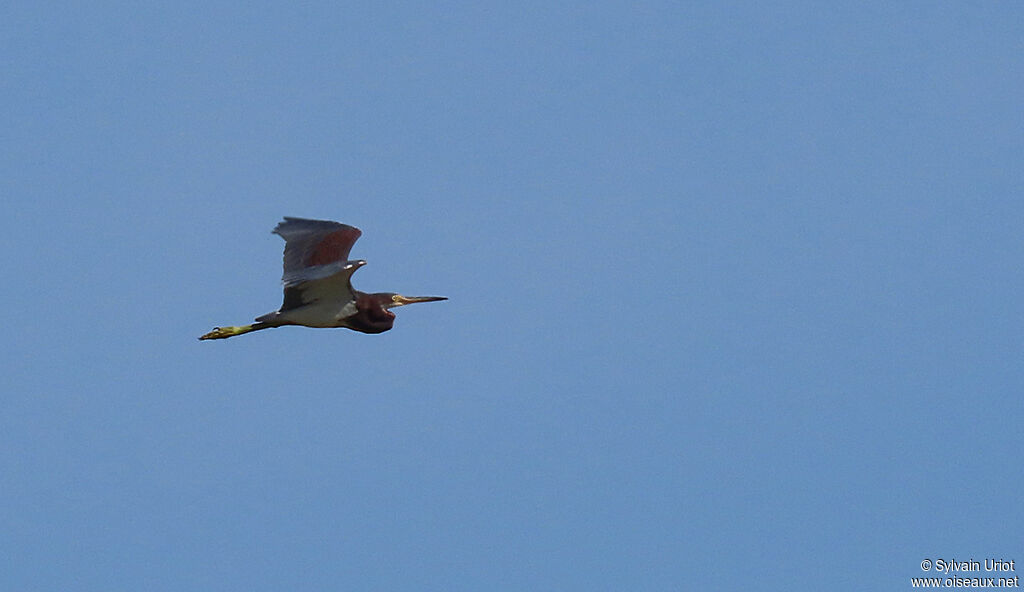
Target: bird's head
(392, 300)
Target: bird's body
(318, 284)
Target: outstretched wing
(327, 298)
(317, 270)
(314, 249)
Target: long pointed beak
(403, 300)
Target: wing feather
(335, 289)
(315, 249)
(335, 286)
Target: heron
(318, 284)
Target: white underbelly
(319, 315)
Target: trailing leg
(225, 332)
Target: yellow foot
(225, 332)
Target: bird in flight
(318, 284)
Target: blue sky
(735, 295)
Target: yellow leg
(225, 332)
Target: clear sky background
(735, 295)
